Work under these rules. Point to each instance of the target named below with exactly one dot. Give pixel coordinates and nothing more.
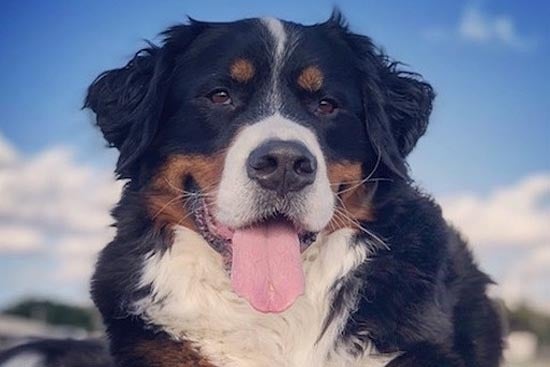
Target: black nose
(282, 166)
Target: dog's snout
(282, 166)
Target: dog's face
(258, 135)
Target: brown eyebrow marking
(311, 79)
(242, 70)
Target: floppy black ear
(408, 104)
(397, 108)
(128, 102)
(397, 104)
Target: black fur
(129, 102)
(425, 293)
(423, 296)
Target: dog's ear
(397, 104)
(408, 104)
(128, 102)
(397, 108)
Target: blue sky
(487, 60)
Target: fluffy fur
(387, 282)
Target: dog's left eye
(220, 97)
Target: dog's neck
(192, 299)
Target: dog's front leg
(159, 352)
(427, 355)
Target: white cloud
(55, 206)
(481, 28)
(7, 152)
(77, 254)
(19, 239)
(510, 216)
(474, 26)
(510, 220)
(529, 280)
(52, 190)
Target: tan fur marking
(242, 70)
(166, 196)
(169, 353)
(354, 201)
(311, 79)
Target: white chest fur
(192, 299)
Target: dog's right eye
(326, 106)
(220, 97)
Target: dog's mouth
(262, 258)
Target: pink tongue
(267, 267)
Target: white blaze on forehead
(277, 30)
(279, 37)
(237, 194)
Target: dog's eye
(220, 96)
(326, 106)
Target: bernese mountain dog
(269, 217)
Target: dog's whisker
(345, 212)
(374, 179)
(358, 226)
(339, 220)
(366, 179)
(180, 221)
(203, 192)
(167, 204)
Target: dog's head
(258, 134)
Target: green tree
(525, 318)
(55, 313)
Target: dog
(269, 217)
